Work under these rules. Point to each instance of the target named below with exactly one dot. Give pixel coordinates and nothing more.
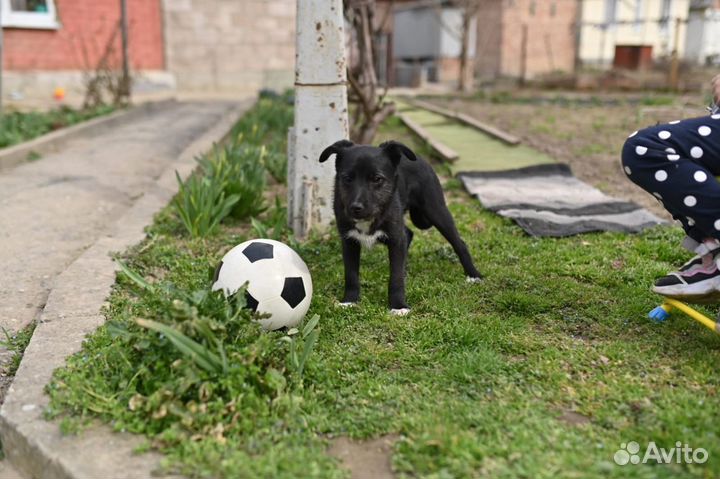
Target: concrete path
(54, 208)
(60, 218)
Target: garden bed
(17, 127)
(542, 370)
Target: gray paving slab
(54, 208)
(61, 222)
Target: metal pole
(320, 113)
(125, 90)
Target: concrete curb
(54, 141)
(35, 446)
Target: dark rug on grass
(547, 200)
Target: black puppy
(374, 186)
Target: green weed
(16, 344)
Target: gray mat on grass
(547, 200)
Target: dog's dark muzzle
(358, 211)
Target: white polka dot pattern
(690, 201)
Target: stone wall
(230, 46)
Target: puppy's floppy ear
(396, 150)
(335, 149)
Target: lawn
(16, 127)
(542, 370)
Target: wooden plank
(445, 152)
(489, 129)
(470, 121)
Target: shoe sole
(703, 292)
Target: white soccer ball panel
(266, 279)
(281, 315)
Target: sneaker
(693, 279)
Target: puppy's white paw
(469, 279)
(400, 312)
(347, 305)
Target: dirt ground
(585, 132)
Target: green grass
(16, 127)
(16, 344)
(474, 381)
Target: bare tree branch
(371, 109)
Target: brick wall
(489, 38)
(230, 45)
(86, 28)
(550, 43)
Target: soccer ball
(279, 282)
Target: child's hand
(716, 89)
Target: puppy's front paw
(470, 279)
(400, 311)
(346, 304)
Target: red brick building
(526, 38)
(232, 47)
(82, 32)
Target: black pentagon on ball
(293, 291)
(257, 251)
(250, 302)
(216, 274)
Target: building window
(29, 14)
(639, 11)
(610, 11)
(665, 11)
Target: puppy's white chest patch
(365, 239)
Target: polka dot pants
(677, 163)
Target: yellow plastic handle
(697, 316)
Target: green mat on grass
(478, 151)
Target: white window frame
(36, 20)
